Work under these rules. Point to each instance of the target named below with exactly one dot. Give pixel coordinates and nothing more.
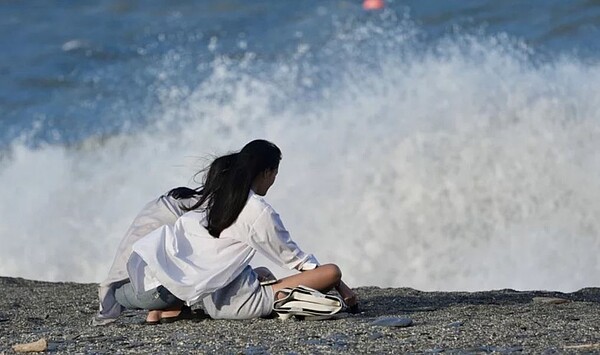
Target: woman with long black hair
(115, 292)
(205, 256)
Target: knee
(333, 272)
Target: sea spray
(464, 163)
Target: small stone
(584, 347)
(455, 324)
(376, 336)
(36, 346)
(550, 300)
(392, 322)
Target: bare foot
(350, 298)
(351, 301)
(170, 313)
(153, 317)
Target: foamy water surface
(466, 163)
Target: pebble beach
(391, 320)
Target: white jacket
(163, 211)
(192, 264)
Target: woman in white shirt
(205, 256)
(164, 210)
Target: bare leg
(323, 278)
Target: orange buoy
(373, 4)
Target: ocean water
(436, 145)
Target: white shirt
(192, 264)
(163, 211)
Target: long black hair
(211, 172)
(228, 180)
(183, 193)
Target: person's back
(202, 264)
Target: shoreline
(504, 321)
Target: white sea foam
(462, 166)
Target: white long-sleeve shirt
(163, 211)
(192, 264)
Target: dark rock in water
(393, 322)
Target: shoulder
(176, 206)
(192, 222)
(193, 216)
(256, 206)
(258, 202)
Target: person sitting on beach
(164, 210)
(205, 255)
(161, 211)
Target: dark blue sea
(440, 145)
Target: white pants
(243, 298)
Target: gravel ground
(503, 321)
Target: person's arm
(271, 238)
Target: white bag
(306, 303)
